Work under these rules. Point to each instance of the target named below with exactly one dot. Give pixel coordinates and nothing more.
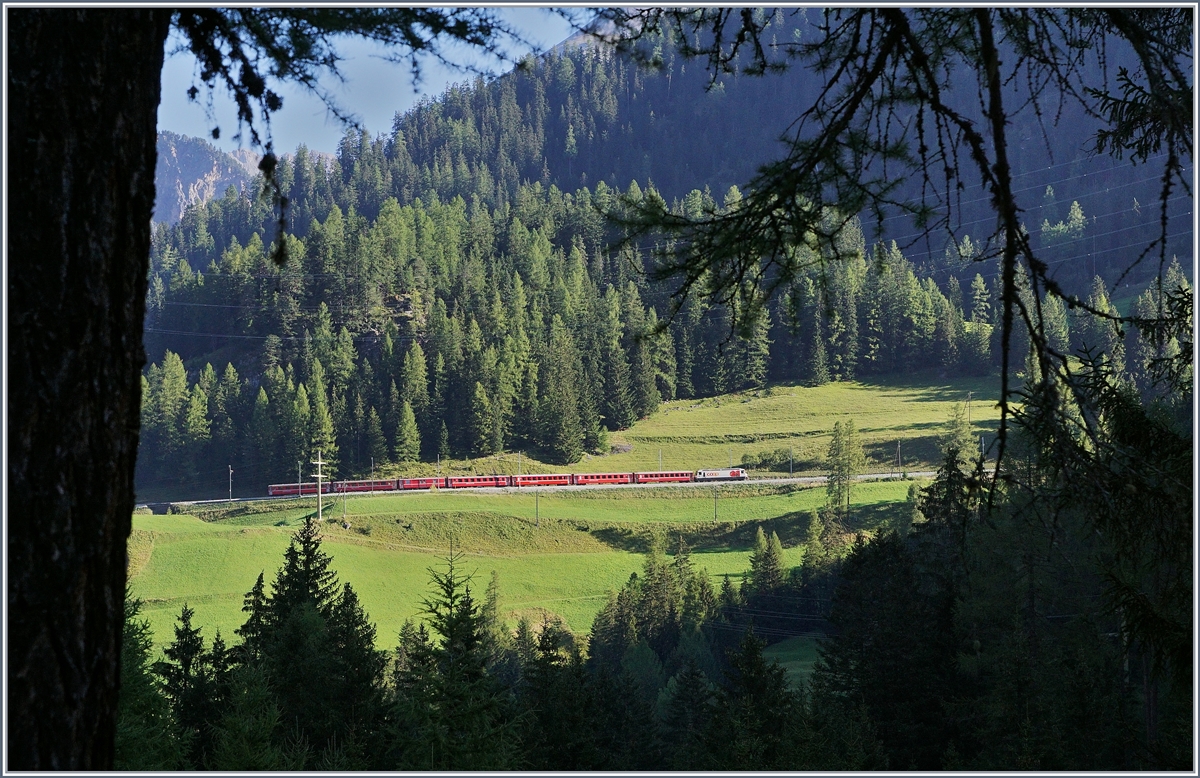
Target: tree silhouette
(83, 94)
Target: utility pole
(372, 468)
(899, 465)
(319, 475)
(968, 410)
(790, 454)
(518, 463)
(537, 513)
(231, 483)
(714, 505)
(299, 481)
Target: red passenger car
(551, 479)
(384, 485)
(664, 477)
(292, 490)
(462, 482)
(420, 483)
(582, 479)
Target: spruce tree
(687, 713)
(358, 666)
(146, 737)
(453, 715)
(645, 394)
(408, 437)
(756, 713)
(958, 436)
(766, 563)
(376, 443)
(618, 401)
(481, 423)
(193, 683)
(305, 575)
(253, 632)
(247, 735)
(443, 450)
(980, 301)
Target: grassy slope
(695, 434)
(588, 542)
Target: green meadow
(563, 559)
(561, 551)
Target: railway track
(809, 480)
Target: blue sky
(374, 90)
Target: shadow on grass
(913, 451)
(933, 387)
(792, 529)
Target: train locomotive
(518, 481)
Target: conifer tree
(296, 425)
(958, 436)
(846, 460)
(415, 380)
(766, 563)
(443, 450)
(980, 301)
(146, 737)
(246, 736)
(358, 666)
(816, 371)
(391, 417)
(645, 394)
(562, 431)
(408, 437)
(453, 714)
(481, 423)
(226, 414)
(618, 400)
(254, 631)
(261, 438)
(321, 436)
(376, 443)
(195, 433)
(194, 682)
(689, 708)
(757, 711)
(305, 575)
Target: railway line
(508, 489)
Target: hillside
(452, 293)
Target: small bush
(777, 460)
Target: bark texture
(83, 93)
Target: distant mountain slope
(192, 170)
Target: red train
(477, 481)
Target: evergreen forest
(452, 287)
(458, 287)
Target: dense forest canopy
(464, 261)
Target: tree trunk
(83, 93)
